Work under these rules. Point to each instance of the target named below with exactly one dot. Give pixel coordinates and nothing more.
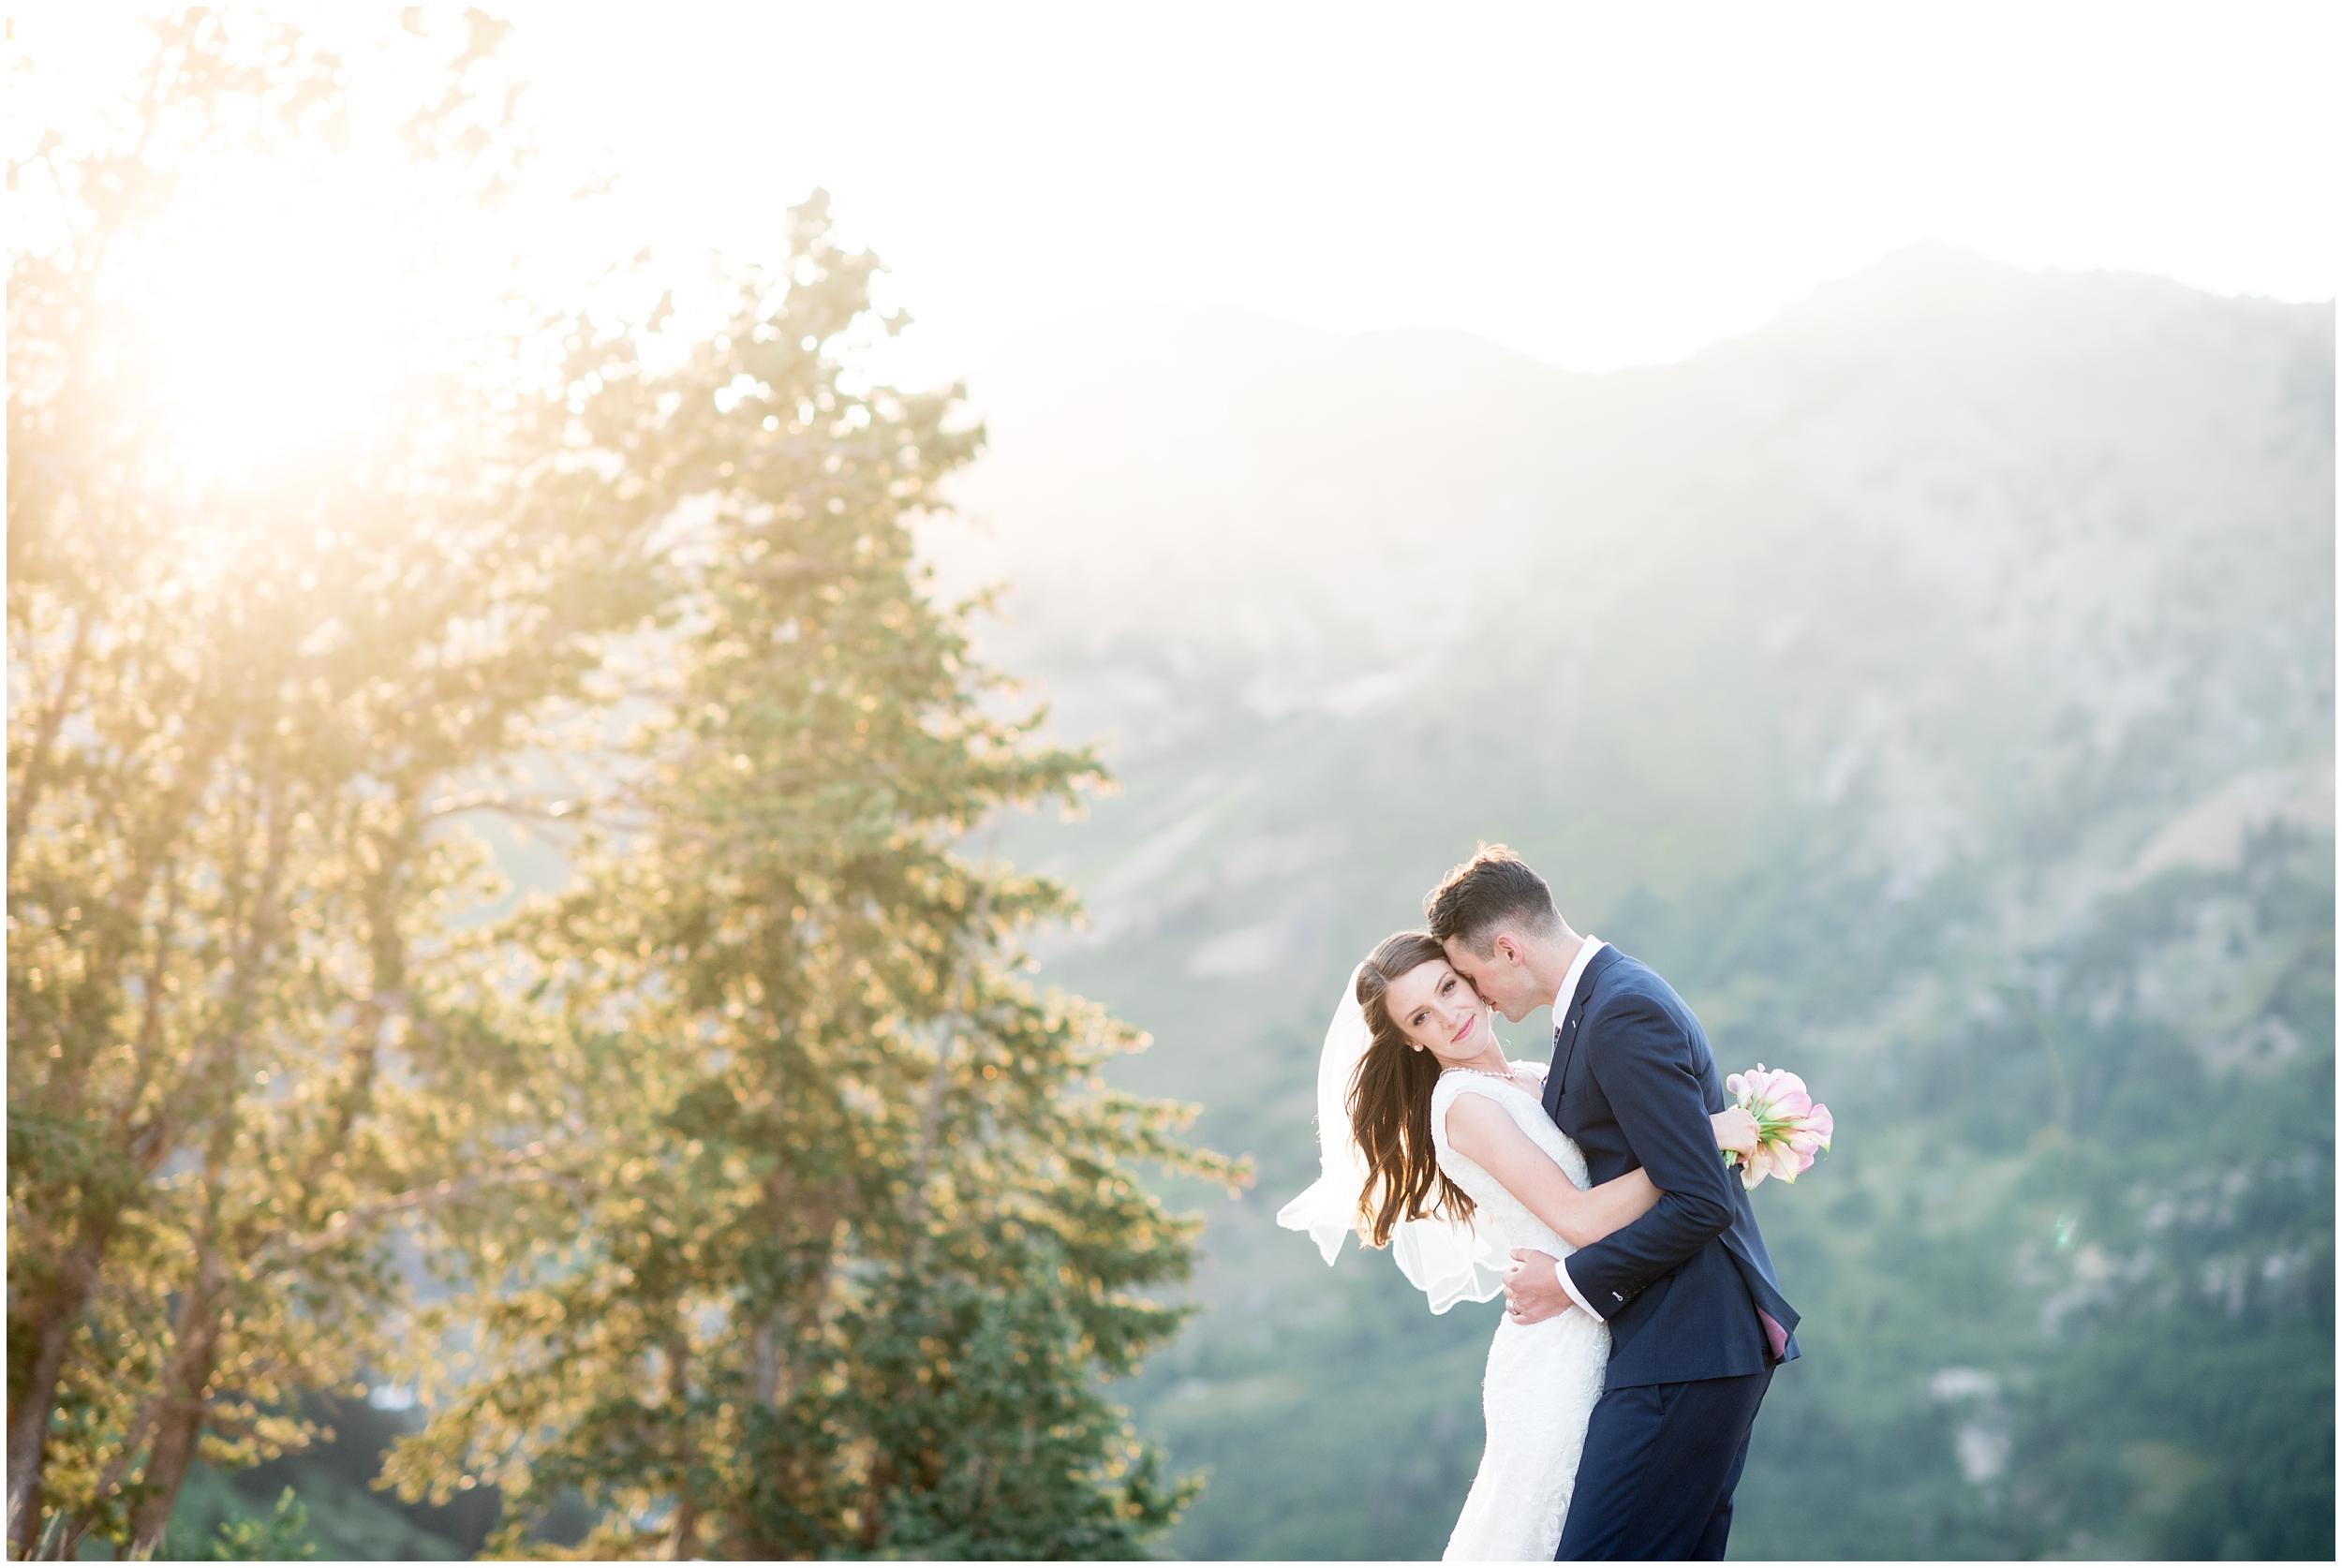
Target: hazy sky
(1594, 185)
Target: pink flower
(1815, 1127)
(1791, 1130)
(1776, 1159)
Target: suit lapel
(1565, 1038)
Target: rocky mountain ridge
(1947, 537)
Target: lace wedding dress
(1542, 1380)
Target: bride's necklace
(1486, 1073)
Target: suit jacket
(1633, 1083)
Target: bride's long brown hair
(1390, 1104)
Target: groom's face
(1501, 975)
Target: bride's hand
(1736, 1129)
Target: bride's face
(1437, 1009)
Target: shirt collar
(1586, 950)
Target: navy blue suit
(1683, 1288)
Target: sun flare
(273, 323)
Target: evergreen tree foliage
(282, 1537)
(849, 1231)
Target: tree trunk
(687, 1523)
(687, 1514)
(947, 1029)
(28, 1429)
(51, 1322)
(765, 1388)
(28, 1446)
(180, 1423)
(881, 1482)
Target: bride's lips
(1469, 1019)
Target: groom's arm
(1647, 1069)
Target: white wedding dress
(1542, 1380)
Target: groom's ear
(1506, 948)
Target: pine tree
(856, 1229)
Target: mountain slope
(1854, 670)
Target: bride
(1452, 1163)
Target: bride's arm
(1484, 1133)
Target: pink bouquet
(1790, 1129)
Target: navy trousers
(1660, 1466)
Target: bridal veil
(1443, 1259)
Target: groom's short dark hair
(1494, 888)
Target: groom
(1696, 1322)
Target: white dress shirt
(1586, 950)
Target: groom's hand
(1533, 1287)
